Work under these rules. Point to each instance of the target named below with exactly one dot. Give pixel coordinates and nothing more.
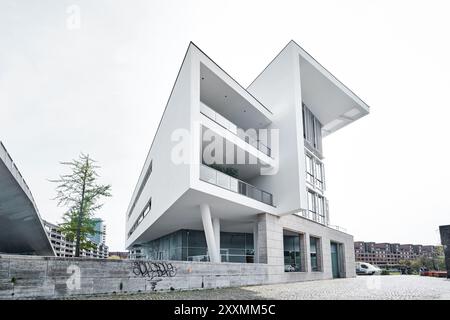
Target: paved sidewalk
(361, 287)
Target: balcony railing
(315, 216)
(225, 181)
(9, 163)
(323, 218)
(231, 127)
(226, 254)
(338, 228)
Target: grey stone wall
(326, 235)
(53, 277)
(270, 247)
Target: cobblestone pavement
(361, 287)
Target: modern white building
(237, 175)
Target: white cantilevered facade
(236, 174)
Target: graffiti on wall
(152, 270)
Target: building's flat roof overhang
(333, 103)
(329, 99)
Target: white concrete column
(216, 229)
(255, 241)
(209, 232)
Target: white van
(367, 268)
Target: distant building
(100, 232)
(445, 240)
(389, 254)
(66, 248)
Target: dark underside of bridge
(21, 230)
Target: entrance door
(335, 259)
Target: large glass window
(309, 169)
(233, 247)
(196, 246)
(320, 209)
(319, 175)
(314, 172)
(316, 207)
(312, 130)
(311, 204)
(141, 187)
(315, 254)
(293, 251)
(141, 217)
(190, 245)
(147, 208)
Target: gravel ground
(361, 287)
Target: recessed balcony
(231, 127)
(230, 183)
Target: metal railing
(322, 219)
(314, 216)
(226, 254)
(231, 127)
(338, 228)
(9, 163)
(225, 181)
(224, 258)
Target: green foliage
(406, 263)
(437, 262)
(385, 272)
(69, 229)
(80, 193)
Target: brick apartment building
(389, 254)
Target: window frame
(317, 208)
(301, 253)
(317, 253)
(141, 187)
(141, 217)
(312, 129)
(316, 175)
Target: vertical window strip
(312, 129)
(315, 172)
(141, 187)
(317, 207)
(315, 254)
(141, 217)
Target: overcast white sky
(101, 89)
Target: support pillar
(209, 233)
(216, 229)
(255, 242)
(270, 240)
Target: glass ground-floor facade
(190, 245)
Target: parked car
(423, 271)
(367, 268)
